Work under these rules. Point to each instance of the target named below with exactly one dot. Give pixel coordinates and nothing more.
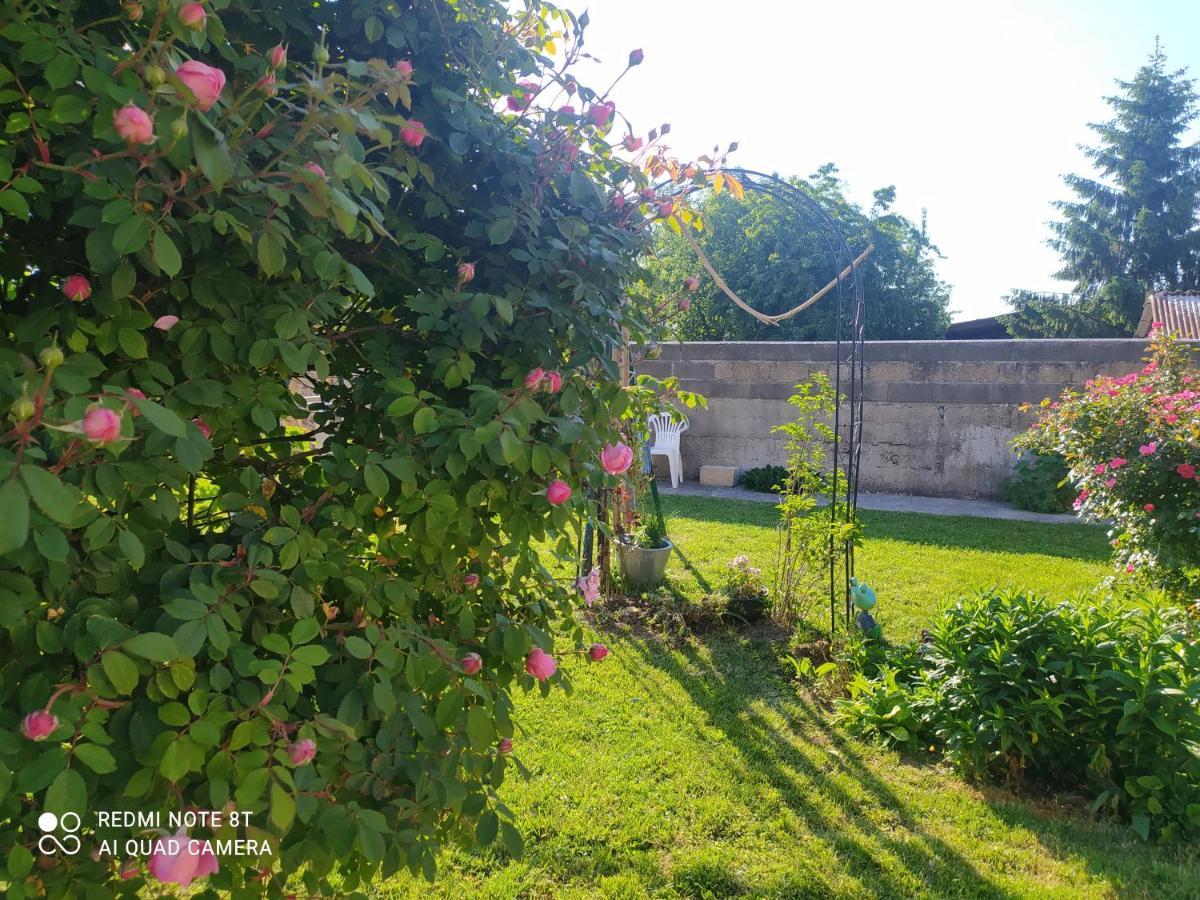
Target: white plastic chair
(666, 442)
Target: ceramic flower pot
(641, 565)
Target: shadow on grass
(1082, 542)
(882, 864)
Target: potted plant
(644, 554)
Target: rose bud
(302, 752)
(77, 288)
(597, 652)
(101, 426)
(471, 663)
(133, 125)
(504, 746)
(558, 492)
(38, 725)
(192, 15)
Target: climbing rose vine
(1133, 447)
(306, 338)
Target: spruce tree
(1130, 228)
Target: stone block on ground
(719, 476)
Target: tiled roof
(1178, 311)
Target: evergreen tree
(1132, 227)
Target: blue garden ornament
(862, 594)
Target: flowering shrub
(745, 588)
(1132, 445)
(208, 211)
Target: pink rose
(1149, 507)
(192, 15)
(1110, 483)
(38, 725)
(205, 82)
(1116, 462)
(1147, 449)
(471, 580)
(589, 586)
(553, 382)
(1130, 568)
(404, 67)
(558, 492)
(471, 663)
(540, 664)
(133, 125)
(77, 288)
(413, 133)
(631, 143)
(1186, 470)
(597, 652)
(566, 109)
(600, 114)
(1101, 468)
(278, 57)
(523, 96)
(190, 860)
(166, 323)
(301, 753)
(204, 427)
(315, 169)
(692, 284)
(504, 746)
(534, 379)
(616, 459)
(466, 272)
(666, 208)
(101, 426)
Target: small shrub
(765, 479)
(745, 590)
(1012, 686)
(1040, 483)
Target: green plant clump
(765, 479)
(1040, 482)
(1067, 695)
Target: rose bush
(1132, 444)
(221, 219)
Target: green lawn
(698, 770)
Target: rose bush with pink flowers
(203, 604)
(1133, 447)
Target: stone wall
(938, 414)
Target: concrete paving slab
(933, 506)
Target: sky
(973, 109)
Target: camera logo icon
(50, 843)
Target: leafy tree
(1132, 227)
(774, 260)
(202, 606)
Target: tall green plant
(809, 540)
(410, 213)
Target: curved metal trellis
(848, 358)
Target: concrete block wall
(938, 415)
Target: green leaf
(153, 646)
(133, 343)
(271, 257)
(373, 28)
(53, 497)
(14, 204)
(20, 862)
(425, 420)
(14, 522)
(162, 418)
(358, 647)
(304, 631)
(212, 155)
(480, 730)
(513, 842)
(120, 670)
(174, 762)
(123, 280)
(166, 254)
(283, 807)
(97, 758)
(131, 235)
(131, 546)
(500, 231)
(68, 793)
(487, 828)
(376, 479)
